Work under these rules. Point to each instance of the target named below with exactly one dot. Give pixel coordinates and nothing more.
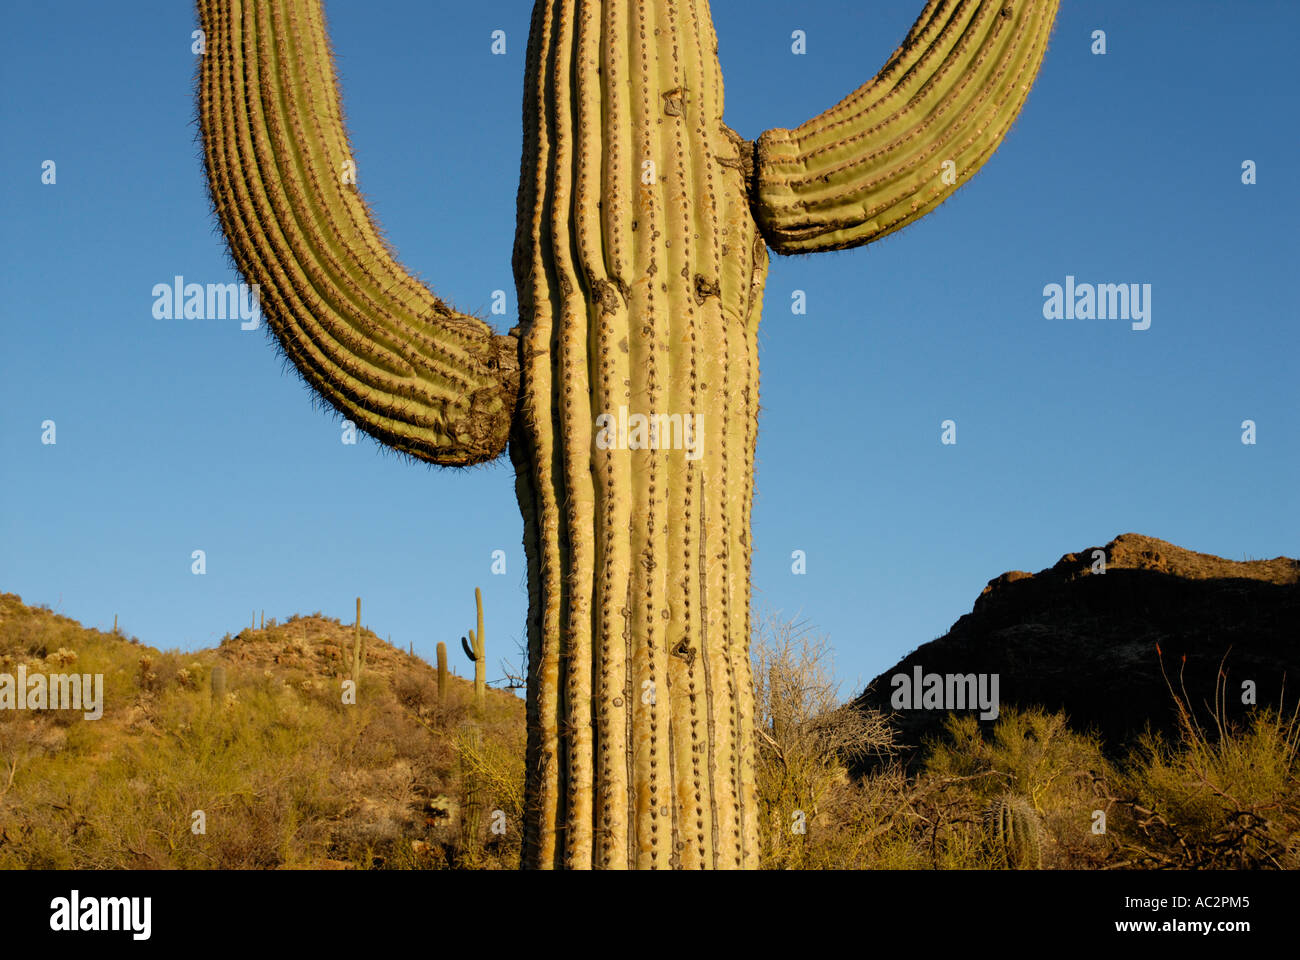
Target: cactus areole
(628, 393)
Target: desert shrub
(289, 776)
(1034, 755)
(1218, 796)
(285, 774)
(806, 738)
(493, 758)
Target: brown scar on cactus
(611, 537)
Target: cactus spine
(640, 258)
(1014, 832)
(442, 672)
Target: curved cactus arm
(372, 340)
(878, 160)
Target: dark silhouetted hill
(1085, 642)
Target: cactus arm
(875, 162)
(466, 647)
(372, 340)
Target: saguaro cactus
(472, 812)
(217, 682)
(639, 259)
(476, 649)
(358, 647)
(442, 672)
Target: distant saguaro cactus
(472, 809)
(358, 647)
(1015, 832)
(218, 684)
(639, 260)
(476, 649)
(442, 672)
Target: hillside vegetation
(282, 773)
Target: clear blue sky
(176, 435)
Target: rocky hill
(1099, 645)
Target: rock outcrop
(1093, 644)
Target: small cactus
(442, 672)
(218, 683)
(1015, 832)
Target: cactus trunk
(640, 271)
(442, 672)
